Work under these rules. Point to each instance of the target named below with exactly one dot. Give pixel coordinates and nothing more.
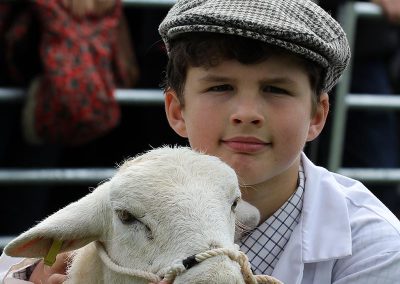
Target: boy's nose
(247, 115)
(252, 121)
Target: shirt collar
(265, 244)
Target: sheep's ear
(76, 225)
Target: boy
(247, 81)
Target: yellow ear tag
(53, 251)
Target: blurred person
(22, 26)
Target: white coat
(345, 235)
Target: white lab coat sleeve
(375, 251)
(382, 269)
(7, 264)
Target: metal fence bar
(373, 175)
(123, 96)
(91, 176)
(367, 10)
(134, 3)
(94, 176)
(4, 240)
(11, 95)
(348, 17)
(139, 96)
(149, 3)
(371, 101)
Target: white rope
(234, 255)
(178, 268)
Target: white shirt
(265, 244)
(8, 264)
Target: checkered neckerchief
(265, 244)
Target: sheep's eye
(234, 204)
(126, 217)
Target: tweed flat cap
(299, 26)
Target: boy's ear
(173, 110)
(319, 118)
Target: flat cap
(300, 26)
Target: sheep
(148, 221)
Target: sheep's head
(165, 205)
(169, 204)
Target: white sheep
(158, 209)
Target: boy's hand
(391, 8)
(56, 274)
(81, 8)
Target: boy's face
(257, 117)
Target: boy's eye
(274, 90)
(220, 88)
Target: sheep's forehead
(175, 169)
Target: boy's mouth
(245, 144)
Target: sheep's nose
(218, 269)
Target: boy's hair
(298, 26)
(209, 49)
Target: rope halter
(181, 266)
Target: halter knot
(180, 266)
